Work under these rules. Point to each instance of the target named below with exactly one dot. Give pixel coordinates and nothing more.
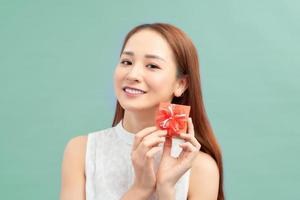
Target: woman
(132, 159)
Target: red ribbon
(172, 118)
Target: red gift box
(173, 118)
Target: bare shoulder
(74, 153)
(76, 145)
(73, 167)
(205, 162)
(204, 178)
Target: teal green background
(56, 65)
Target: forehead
(149, 42)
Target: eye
(126, 62)
(153, 66)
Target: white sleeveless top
(108, 168)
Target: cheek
(117, 76)
(161, 83)
(154, 81)
(117, 79)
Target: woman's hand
(144, 148)
(171, 169)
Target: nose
(135, 73)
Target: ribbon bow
(172, 118)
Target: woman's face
(147, 64)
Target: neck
(134, 122)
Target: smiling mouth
(131, 91)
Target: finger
(187, 154)
(191, 139)
(167, 147)
(191, 127)
(187, 146)
(151, 153)
(158, 133)
(140, 135)
(151, 142)
(150, 156)
(145, 145)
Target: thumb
(167, 146)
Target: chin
(134, 107)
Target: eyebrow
(146, 56)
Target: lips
(133, 89)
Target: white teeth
(132, 91)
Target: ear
(181, 86)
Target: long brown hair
(186, 58)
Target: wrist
(165, 192)
(141, 193)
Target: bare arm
(73, 166)
(204, 181)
